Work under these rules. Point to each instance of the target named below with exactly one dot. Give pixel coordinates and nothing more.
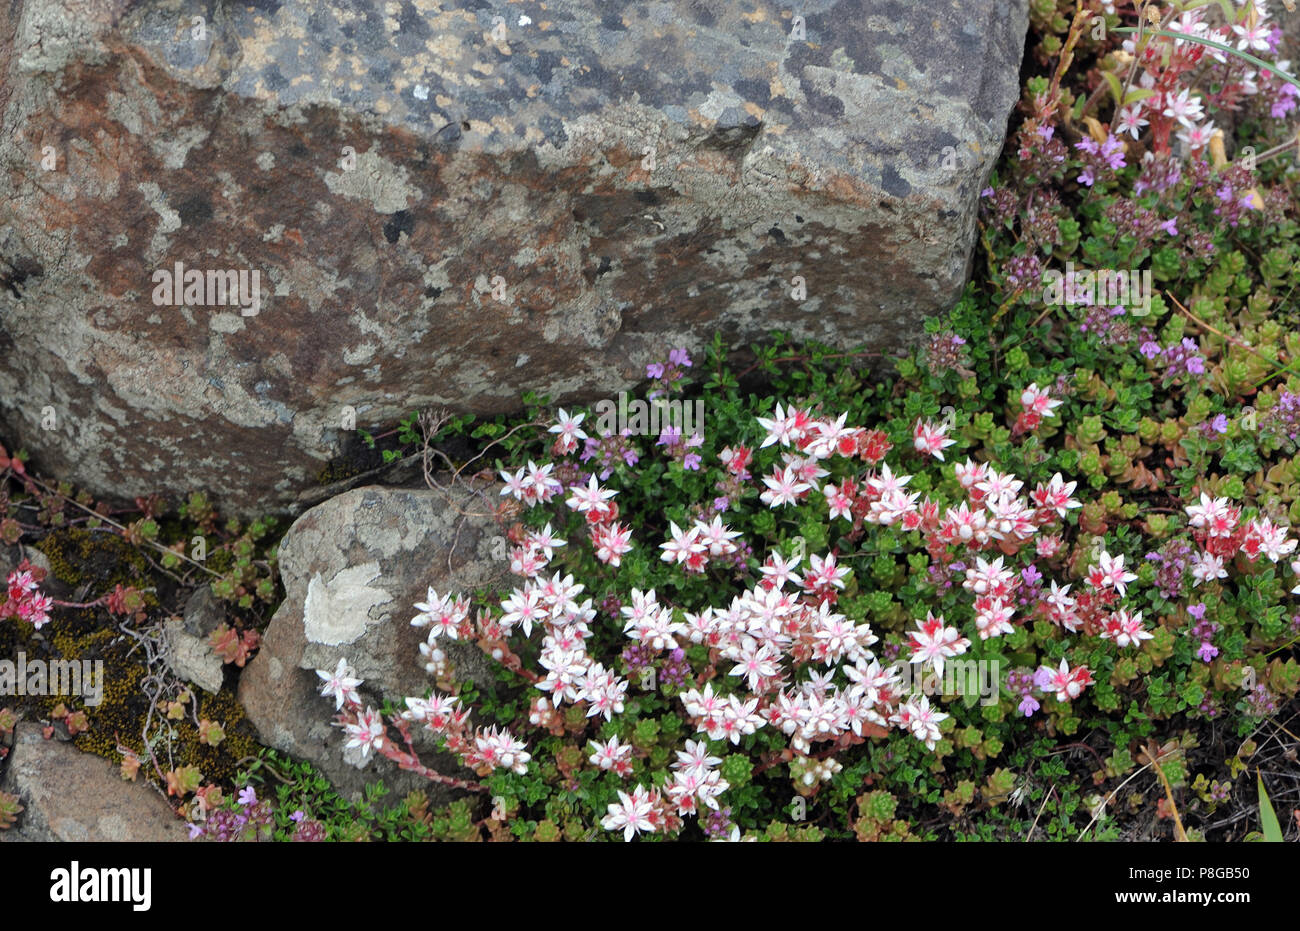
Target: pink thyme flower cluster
(254, 820)
(1043, 156)
(23, 598)
(667, 375)
(682, 448)
(1180, 359)
(1099, 159)
(1283, 418)
(1204, 631)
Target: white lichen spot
(360, 355)
(226, 323)
(338, 612)
(173, 147)
(170, 220)
(376, 180)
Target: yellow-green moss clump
(123, 712)
(119, 719)
(336, 472)
(105, 560)
(92, 564)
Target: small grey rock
(353, 567)
(204, 612)
(189, 654)
(68, 795)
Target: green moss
(77, 556)
(220, 560)
(336, 472)
(118, 721)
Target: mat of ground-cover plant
(1085, 478)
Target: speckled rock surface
(448, 203)
(189, 654)
(12, 556)
(68, 795)
(353, 567)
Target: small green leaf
(1116, 90)
(1137, 93)
(1267, 816)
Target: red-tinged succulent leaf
(182, 781)
(124, 600)
(211, 733)
(10, 531)
(232, 646)
(225, 643)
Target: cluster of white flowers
(1251, 31)
(795, 663)
(695, 779)
(1219, 529)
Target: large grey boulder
(353, 567)
(446, 204)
